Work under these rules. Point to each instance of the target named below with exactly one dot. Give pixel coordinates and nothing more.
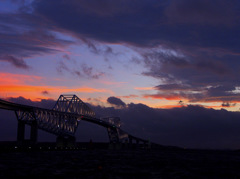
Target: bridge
(63, 119)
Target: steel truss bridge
(63, 119)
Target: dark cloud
(143, 23)
(17, 62)
(227, 104)
(18, 1)
(202, 12)
(172, 87)
(43, 103)
(116, 101)
(45, 92)
(25, 35)
(190, 126)
(147, 22)
(181, 102)
(198, 77)
(102, 23)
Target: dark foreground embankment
(103, 163)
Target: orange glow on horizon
(28, 88)
(170, 106)
(143, 88)
(162, 97)
(17, 79)
(37, 88)
(33, 87)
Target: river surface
(121, 164)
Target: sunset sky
(163, 54)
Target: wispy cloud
(24, 35)
(17, 62)
(84, 72)
(163, 96)
(129, 96)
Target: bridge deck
(13, 106)
(16, 107)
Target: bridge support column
(64, 142)
(137, 144)
(130, 142)
(60, 141)
(34, 132)
(125, 145)
(145, 145)
(113, 135)
(71, 142)
(20, 132)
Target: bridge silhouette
(63, 119)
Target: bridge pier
(137, 144)
(71, 142)
(145, 146)
(34, 132)
(21, 133)
(60, 141)
(113, 135)
(125, 144)
(64, 142)
(130, 143)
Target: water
(101, 163)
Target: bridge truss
(63, 120)
(72, 104)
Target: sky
(165, 55)
(160, 53)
